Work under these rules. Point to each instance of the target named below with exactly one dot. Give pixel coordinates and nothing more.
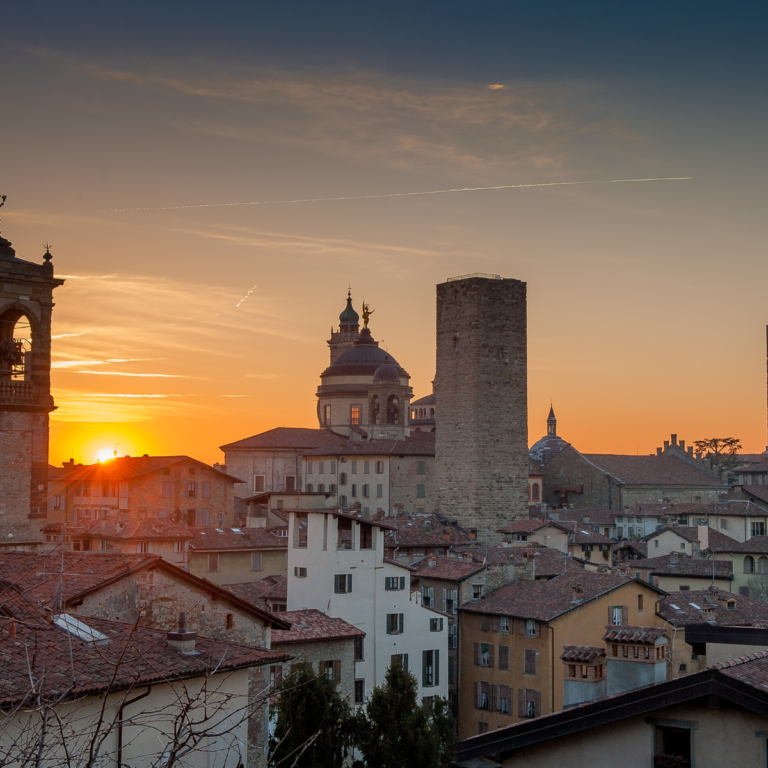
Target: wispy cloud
(75, 363)
(69, 335)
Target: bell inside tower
(15, 346)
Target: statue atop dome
(367, 312)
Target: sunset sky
(132, 134)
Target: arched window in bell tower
(393, 409)
(15, 346)
(374, 410)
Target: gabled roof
(312, 626)
(546, 600)
(593, 515)
(635, 545)
(144, 529)
(260, 592)
(66, 666)
(743, 682)
(758, 491)
(217, 539)
(583, 653)
(683, 608)
(416, 444)
(679, 565)
(45, 577)
(581, 535)
(522, 526)
(730, 508)
(423, 531)
(288, 438)
(651, 470)
(446, 568)
(632, 634)
(757, 545)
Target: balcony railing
(17, 390)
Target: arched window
(762, 565)
(432, 412)
(393, 409)
(749, 564)
(15, 345)
(374, 410)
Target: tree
(314, 723)
(758, 587)
(722, 450)
(395, 731)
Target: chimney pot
(682, 445)
(12, 628)
(658, 451)
(666, 445)
(674, 439)
(182, 640)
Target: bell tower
(349, 328)
(26, 304)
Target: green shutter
(336, 584)
(400, 623)
(405, 661)
(424, 678)
(402, 582)
(349, 582)
(437, 665)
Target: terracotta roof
(651, 470)
(522, 526)
(313, 626)
(262, 593)
(209, 539)
(399, 565)
(584, 653)
(762, 468)
(411, 531)
(756, 545)
(731, 508)
(758, 491)
(65, 666)
(416, 444)
(130, 467)
(546, 600)
(44, 577)
(296, 438)
(426, 400)
(689, 533)
(681, 608)
(630, 634)
(130, 529)
(593, 515)
(716, 540)
(446, 568)
(548, 562)
(751, 669)
(581, 535)
(699, 567)
(641, 547)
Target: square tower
(482, 390)
(26, 303)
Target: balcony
(17, 390)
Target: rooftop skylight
(79, 629)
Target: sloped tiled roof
(412, 532)
(731, 508)
(681, 608)
(211, 539)
(296, 438)
(259, 592)
(758, 491)
(641, 547)
(630, 634)
(426, 400)
(589, 516)
(148, 528)
(416, 444)
(65, 666)
(522, 526)
(582, 653)
(447, 568)
(699, 567)
(313, 626)
(651, 470)
(757, 545)
(581, 535)
(546, 600)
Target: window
(758, 529)
(483, 654)
(683, 668)
(230, 621)
(321, 467)
(449, 600)
(421, 468)
(191, 490)
(420, 493)
(477, 591)
(258, 484)
(379, 467)
(178, 546)
(359, 691)
(484, 702)
(366, 536)
(427, 596)
(300, 523)
(503, 657)
(673, 741)
(379, 491)
(331, 669)
(342, 583)
(529, 662)
(435, 625)
(206, 490)
(530, 709)
(359, 649)
(309, 487)
(430, 668)
(685, 587)
(505, 700)
(394, 623)
(392, 583)
(354, 491)
(655, 542)
(366, 490)
(344, 533)
(530, 627)
(342, 478)
(354, 415)
(682, 546)
(290, 482)
(453, 635)
(723, 523)
(309, 467)
(167, 489)
(400, 659)
(749, 564)
(213, 562)
(354, 466)
(366, 467)
(639, 603)
(256, 562)
(617, 615)
(300, 573)
(333, 467)
(327, 415)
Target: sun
(105, 455)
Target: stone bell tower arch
(26, 304)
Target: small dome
(386, 372)
(363, 358)
(349, 316)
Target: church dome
(363, 358)
(349, 316)
(386, 373)
(551, 444)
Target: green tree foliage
(314, 723)
(394, 730)
(722, 450)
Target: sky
(136, 138)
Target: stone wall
(235, 567)
(16, 431)
(273, 464)
(570, 469)
(404, 480)
(481, 384)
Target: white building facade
(336, 564)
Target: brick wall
(404, 480)
(15, 471)
(481, 385)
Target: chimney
(690, 451)
(584, 674)
(12, 628)
(427, 525)
(182, 640)
(472, 533)
(673, 558)
(674, 439)
(658, 451)
(431, 561)
(578, 593)
(637, 656)
(703, 531)
(682, 445)
(447, 534)
(666, 445)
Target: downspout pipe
(120, 723)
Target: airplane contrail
(392, 194)
(246, 296)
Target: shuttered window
(503, 657)
(395, 623)
(529, 664)
(483, 654)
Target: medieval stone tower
(26, 303)
(481, 385)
